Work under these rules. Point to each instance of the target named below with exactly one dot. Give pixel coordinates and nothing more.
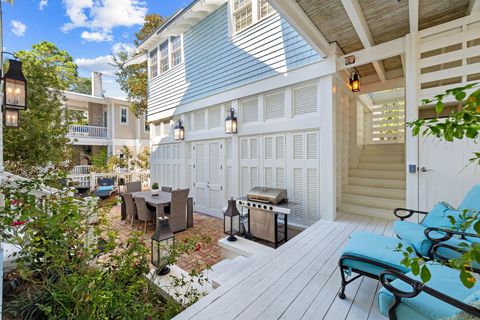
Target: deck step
(381, 166)
(373, 202)
(356, 209)
(379, 174)
(384, 147)
(382, 183)
(227, 269)
(381, 158)
(394, 194)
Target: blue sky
(90, 30)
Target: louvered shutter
(275, 105)
(200, 120)
(298, 193)
(249, 110)
(312, 193)
(305, 100)
(214, 118)
(268, 148)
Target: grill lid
(267, 195)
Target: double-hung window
(247, 12)
(176, 50)
(153, 63)
(145, 123)
(124, 115)
(164, 63)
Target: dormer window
(176, 50)
(153, 63)
(164, 66)
(247, 12)
(166, 56)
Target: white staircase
(377, 185)
(226, 269)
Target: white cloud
(96, 36)
(18, 28)
(100, 64)
(42, 4)
(101, 16)
(120, 46)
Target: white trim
(473, 7)
(305, 73)
(121, 116)
(256, 16)
(413, 15)
(298, 19)
(355, 13)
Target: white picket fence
(89, 180)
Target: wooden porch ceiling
(386, 20)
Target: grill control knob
(271, 208)
(265, 207)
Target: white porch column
(328, 192)
(411, 114)
(236, 158)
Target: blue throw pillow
(105, 188)
(438, 216)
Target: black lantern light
(232, 220)
(231, 122)
(14, 87)
(179, 131)
(10, 118)
(355, 82)
(162, 240)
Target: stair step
(383, 147)
(399, 154)
(381, 166)
(379, 213)
(381, 174)
(372, 202)
(227, 269)
(395, 194)
(385, 159)
(382, 183)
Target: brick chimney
(97, 85)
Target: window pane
(164, 57)
(243, 18)
(239, 3)
(176, 50)
(153, 63)
(265, 8)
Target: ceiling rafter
(473, 7)
(355, 13)
(413, 15)
(298, 19)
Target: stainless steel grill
(267, 195)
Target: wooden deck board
(299, 281)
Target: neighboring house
(103, 122)
(300, 126)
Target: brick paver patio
(203, 225)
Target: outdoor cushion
(424, 306)
(373, 247)
(105, 188)
(438, 216)
(472, 199)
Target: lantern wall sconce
(231, 122)
(231, 220)
(355, 82)
(14, 87)
(162, 241)
(179, 131)
(11, 118)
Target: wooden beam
(413, 15)
(298, 19)
(379, 52)
(355, 13)
(474, 6)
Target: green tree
(41, 139)
(133, 79)
(81, 85)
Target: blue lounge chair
(404, 296)
(414, 233)
(104, 188)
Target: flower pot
(155, 192)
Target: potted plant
(155, 189)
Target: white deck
(300, 281)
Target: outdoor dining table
(162, 200)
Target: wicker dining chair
(166, 189)
(178, 210)
(134, 186)
(145, 214)
(130, 207)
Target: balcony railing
(83, 169)
(88, 131)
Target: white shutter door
(274, 161)
(249, 163)
(249, 110)
(200, 120)
(275, 106)
(305, 100)
(214, 118)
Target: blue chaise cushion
(373, 247)
(439, 216)
(105, 188)
(472, 199)
(414, 234)
(424, 306)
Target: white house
(282, 66)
